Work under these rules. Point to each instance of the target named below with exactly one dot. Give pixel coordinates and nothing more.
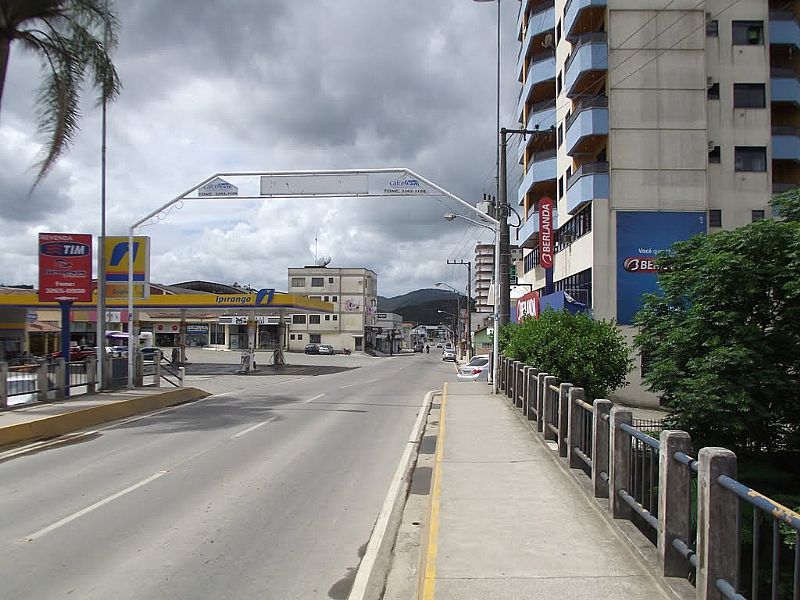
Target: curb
(371, 576)
(49, 427)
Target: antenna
(315, 246)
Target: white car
(449, 355)
(476, 369)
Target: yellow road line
(429, 587)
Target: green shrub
(574, 348)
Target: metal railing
(583, 40)
(22, 380)
(584, 104)
(688, 508)
(77, 374)
(587, 169)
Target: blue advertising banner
(640, 237)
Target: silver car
(449, 355)
(476, 369)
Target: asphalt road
(268, 489)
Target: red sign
(546, 233)
(65, 267)
(528, 306)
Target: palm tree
(73, 38)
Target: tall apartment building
(655, 121)
(354, 295)
(484, 275)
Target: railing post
(674, 502)
(512, 387)
(620, 462)
(540, 402)
(530, 393)
(548, 381)
(563, 418)
(62, 378)
(717, 523)
(157, 368)
(91, 374)
(3, 385)
(181, 375)
(601, 440)
(138, 374)
(519, 385)
(108, 374)
(574, 426)
(526, 390)
(41, 382)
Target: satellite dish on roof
(324, 261)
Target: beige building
(656, 121)
(354, 295)
(484, 275)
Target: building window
(714, 156)
(712, 28)
(298, 282)
(330, 279)
(756, 215)
(577, 227)
(560, 187)
(335, 317)
(313, 319)
(579, 286)
(560, 134)
(645, 367)
(298, 319)
(748, 33)
(327, 317)
(715, 218)
(558, 84)
(558, 32)
(300, 336)
(291, 336)
(317, 281)
(750, 158)
(749, 95)
(314, 338)
(334, 298)
(713, 91)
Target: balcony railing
(597, 37)
(544, 155)
(785, 130)
(583, 104)
(587, 169)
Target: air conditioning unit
(711, 145)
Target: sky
(267, 85)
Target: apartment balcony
(581, 15)
(783, 28)
(587, 64)
(786, 143)
(784, 86)
(541, 68)
(587, 126)
(542, 19)
(588, 183)
(527, 235)
(542, 168)
(541, 116)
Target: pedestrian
(174, 355)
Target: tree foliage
(575, 348)
(73, 39)
(723, 340)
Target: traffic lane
(324, 492)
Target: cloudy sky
(253, 85)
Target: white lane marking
(36, 535)
(317, 397)
(347, 386)
(253, 428)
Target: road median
(41, 427)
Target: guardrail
(688, 508)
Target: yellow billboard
(116, 259)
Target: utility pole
(468, 264)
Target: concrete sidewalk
(42, 421)
(507, 522)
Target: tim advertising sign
(640, 237)
(65, 267)
(546, 233)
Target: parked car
(438, 344)
(77, 353)
(325, 349)
(419, 348)
(311, 349)
(476, 369)
(449, 354)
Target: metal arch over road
(345, 183)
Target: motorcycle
(346, 351)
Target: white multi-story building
(484, 276)
(656, 120)
(354, 295)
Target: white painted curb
(374, 566)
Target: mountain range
(423, 306)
